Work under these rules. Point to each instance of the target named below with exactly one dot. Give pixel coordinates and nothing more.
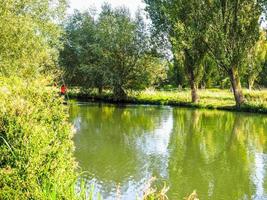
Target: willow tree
(185, 23)
(29, 36)
(126, 50)
(233, 31)
(81, 57)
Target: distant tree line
(190, 43)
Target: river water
(221, 155)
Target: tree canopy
(189, 43)
(226, 30)
(29, 37)
(112, 51)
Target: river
(222, 155)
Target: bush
(36, 149)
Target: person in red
(63, 89)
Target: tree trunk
(194, 94)
(250, 83)
(194, 88)
(190, 65)
(236, 85)
(119, 93)
(100, 90)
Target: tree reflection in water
(220, 154)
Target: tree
(111, 51)
(126, 50)
(233, 31)
(263, 75)
(255, 60)
(82, 53)
(34, 123)
(29, 37)
(183, 21)
(176, 73)
(210, 77)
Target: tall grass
(153, 193)
(78, 190)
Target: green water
(222, 155)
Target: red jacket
(63, 89)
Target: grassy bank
(36, 148)
(256, 101)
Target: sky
(81, 5)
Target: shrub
(36, 149)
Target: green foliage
(255, 60)
(82, 56)
(36, 146)
(262, 81)
(186, 45)
(183, 21)
(112, 51)
(226, 30)
(29, 36)
(176, 73)
(211, 76)
(233, 31)
(36, 149)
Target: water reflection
(220, 154)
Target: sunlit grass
(256, 100)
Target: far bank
(256, 100)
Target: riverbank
(256, 100)
(36, 145)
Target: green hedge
(36, 148)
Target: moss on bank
(256, 101)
